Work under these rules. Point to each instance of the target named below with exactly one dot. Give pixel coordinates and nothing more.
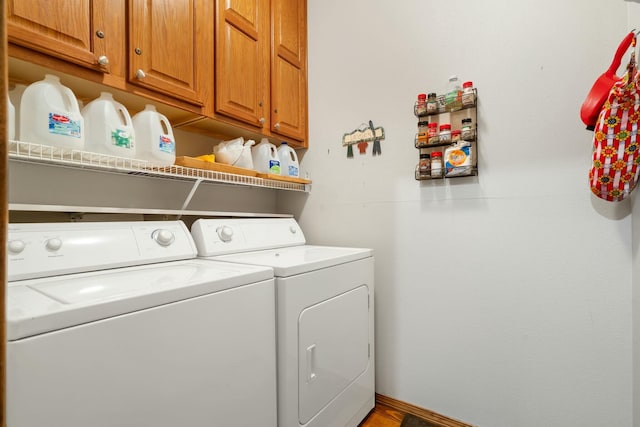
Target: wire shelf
(40, 153)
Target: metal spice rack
(453, 114)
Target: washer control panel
(47, 249)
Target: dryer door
(333, 349)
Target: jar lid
(467, 120)
(436, 153)
(432, 95)
(424, 155)
(456, 132)
(467, 84)
(433, 125)
(423, 123)
(445, 126)
(422, 96)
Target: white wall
(502, 300)
(634, 22)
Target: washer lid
(299, 259)
(43, 305)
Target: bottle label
(293, 171)
(122, 138)
(167, 145)
(274, 167)
(60, 124)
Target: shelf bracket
(196, 184)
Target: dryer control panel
(227, 236)
(49, 249)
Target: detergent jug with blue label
(50, 115)
(288, 160)
(155, 142)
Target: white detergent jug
(11, 118)
(49, 115)
(265, 157)
(109, 127)
(155, 142)
(288, 160)
(15, 94)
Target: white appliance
(117, 324)
(325, 314)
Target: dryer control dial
(225, 233)
(15, 246)
(293, 229)
(163, 237)
(53, 244)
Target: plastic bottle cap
(456, 132)
(422, 96)
(445, 127)
(283, 143)
(424, 155)
(436, 154)
(467, 84)
(433, 125)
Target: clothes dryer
(116, 324)
(325, 316)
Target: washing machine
(325, 316)
(117, 324)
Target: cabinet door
(76, 31)
(289, 69)
(242, 60)
(168, 42)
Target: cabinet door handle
(103, 60)
(140, 74)
(277, 125)
(262, 120)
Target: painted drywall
(634, 22)
(505, 299)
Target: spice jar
(468, 133)
(421, 140)
(455, 135)
(445, 133)
(423, 169)
(423, 126)
(436, 164)
(468, 94)
(432, 103)
(421, 105)
(432, 133)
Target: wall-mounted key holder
(361, 137)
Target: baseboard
(425, 414)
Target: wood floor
(383, 416)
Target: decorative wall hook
(362, 137)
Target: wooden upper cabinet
(170, 44)
(242, 60)
(289, 69)
(89, 33)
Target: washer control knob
(15, 246)
(293, 229)
(163, 237)
(225, 233)
(53, 244)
